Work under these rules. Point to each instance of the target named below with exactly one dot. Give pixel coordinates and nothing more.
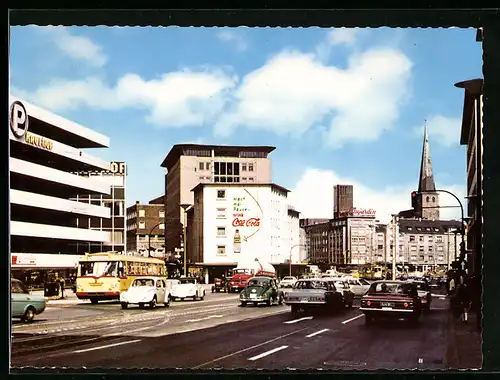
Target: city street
(217, 333)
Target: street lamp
(149, 237)
(185, 208)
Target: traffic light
(415, 204)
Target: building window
(243, 167)
(162, 226)
(250, 167)
(161, 213)
(251, 179)
(202, 166)
(433, 199)
(421, 238)
(142, 213)
(412, 237)
(221, 231)
(421, 249)
(430, 239)
(207, 166)
(221, 194)
(440, 249)
(142, 225)
(427, 199)
(221, 250)
(439, 239)
(221, 213)
(380, 246)
(243, 179)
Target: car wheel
(243, 304)
(94, 301)
(124, 305)
(202, 296)
(152, 304)
(280, 300)
(141, 306)
(29, 315)
(167, 301)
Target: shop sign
(117, 167)
(251, 222)
(23, 260)
(359, 212)
(38, 141)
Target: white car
(146, 290)
(288, 282)
(359, 286)
(188, 287)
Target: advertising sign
(18, 119)
(246, 218)
(360, 212)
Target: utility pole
(394, 242)
(448, 251)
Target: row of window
(142, 226)
(439, 238)
(142, 214)
(227, 168)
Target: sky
(341, 106)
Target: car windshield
(187, 281)
(99, 268)
(322, 285)
(143, 282)
(258, 282)
(389, 288)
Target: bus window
(149, 268)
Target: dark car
(261, 290)
(316, 293)
(220, 284)
(391, 299)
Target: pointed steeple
(426, 180)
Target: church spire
(426, 180)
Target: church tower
(429, 199)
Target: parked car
(314, 294)
(25, 305)
(188, 287)
(424, 293)
(359, 286)
(146, 290)
(288, 282)
(391, 299)
(261, 289)
(219, 285)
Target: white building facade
(232, 222)
(45, 151)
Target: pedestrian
(62, 283)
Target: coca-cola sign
(250, 222)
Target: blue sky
(340, 105)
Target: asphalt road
(216, 333)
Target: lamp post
(290, 258)
(185, 208)
(149, 237)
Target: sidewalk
(464, 343)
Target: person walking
(62, 283)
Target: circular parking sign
(18, 119)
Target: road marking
(352, 319)
(316, 333)
(268, 353)
(298, 320)
(204, 319)
(249, 348)
(106, 346)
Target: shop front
(34, 270)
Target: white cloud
(294, 91)
(233, 37)
(343, 36)
(76, 47)
(312, 196)
(176, 99)
(444, 130)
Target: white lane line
(106, 346)
(298, 320)
(204, 319)
(268, 353)
(316, 333)
(352, 319)
(249, 348)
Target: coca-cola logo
(251, 222)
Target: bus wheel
(94, 301)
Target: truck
(247, 269)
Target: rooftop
(201, 150)
(219, 184)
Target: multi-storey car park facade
(45, 151)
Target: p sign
(117, 167)
(18, 119)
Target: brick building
(343, 200)
(146, 228)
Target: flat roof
(473, 88)
(52, 126)
(239, 184)
(178, 150)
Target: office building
(343, 200)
